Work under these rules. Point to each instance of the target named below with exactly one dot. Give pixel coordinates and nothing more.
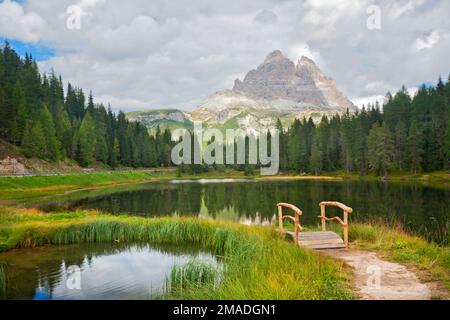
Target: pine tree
(397, 109)
(316, 157)
(373, 143)
(400, 145)
(381, 149)
(114, 155)
(294, 153)
(52, 147)
(33, 142)
(282, 145)
(84, 142)
(415, 142)
(447, 141)
(19, 117)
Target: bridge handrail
(295, 218)
(346, 210)
(336, 204)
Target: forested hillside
(408, 134)
(411, 135)
(51, 123)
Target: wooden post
(296, 228)
(322, 212)
(280, 218)
(347, 210)
(346, 228)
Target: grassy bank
(37, 186)
(22, 188)
(439, 179)
(259, 263)
(399, 246)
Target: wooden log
(342, 223)
(346, 228)
(322, 212)
(290, 206)
(280, 218)
(336, 204)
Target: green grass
(399, 246)
(3, 279)
(42, 186)
(193, 276)
(38, 186)
(258, 262)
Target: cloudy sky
(141, 54)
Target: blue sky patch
(39, 52)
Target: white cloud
(266, 16)
(303, 49)
(16, 24)
(398, 9)
(150, 54)
(365, 101)
(426, 41)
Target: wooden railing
(295, 218)
(344, 223)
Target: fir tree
(415, 142)
(52, 146)
(84, 142)
(33, 142)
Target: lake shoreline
(28, 228)
(261, 252)
(19, 188)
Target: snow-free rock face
(10, 166)
(165, 118)
(278, 78)
(277, 88)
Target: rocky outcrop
(277, 88)
(278, 78)
(164, 118)
(10, 166)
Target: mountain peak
(279, 79)
(277, 88)
(306, 60)
(276, 55)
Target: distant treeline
(36, 115)
(410, 135)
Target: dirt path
(377, 279)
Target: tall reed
(258, 262)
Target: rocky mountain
(165, 118)
(277, 88)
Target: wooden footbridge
(316, 240)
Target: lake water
(93, 271)
(422, 210)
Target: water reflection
(423, 210)
(93, 271)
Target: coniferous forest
(47, 120)
(51, 123)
